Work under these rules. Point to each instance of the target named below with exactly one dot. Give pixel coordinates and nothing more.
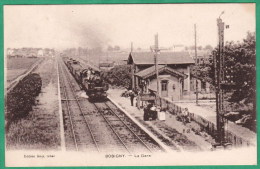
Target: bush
(20, 100)
(118, 76)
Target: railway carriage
(88, 78)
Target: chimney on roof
(131, 47)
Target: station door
(164, 88)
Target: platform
(194, 143)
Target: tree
(241, 57)
(203, 71)
(117, 48)
(119, 76)
(192, 47)
(110, 48)
(208, 47)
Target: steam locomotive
(89, 79)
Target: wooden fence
(205, 125)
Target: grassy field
(20, 63)
(40, 130)
(17, 66)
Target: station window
(164, 85)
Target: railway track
(82, 135)
(137, 140)
(84, 117)
(105, 128)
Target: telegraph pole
(196, 62)
(156, 49)
(219, 79)
(132, 69)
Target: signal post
(220, 85)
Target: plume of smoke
(90, 35)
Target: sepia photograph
(130, 84)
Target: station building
(106, 65)
(203, 85)
(203, 56)
(174, 73)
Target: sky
(67, 26)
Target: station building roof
(146, 73)
(106, 64)
(147, 58)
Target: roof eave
(165, 63)
(179, 74)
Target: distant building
(203, 56)
(174, 72)
(40, 53)
(14, 53)
(106, 65)
(10, 52)
(118, 57)
(24, 52)
(47, 52)
(203, 85)
(177, 48)
(32, 52)
(121, 62)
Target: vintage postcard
(130, 84)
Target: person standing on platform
(153, 112)
(185, 115)
(132, 96)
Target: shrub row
(118, 76)
(20, 100)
